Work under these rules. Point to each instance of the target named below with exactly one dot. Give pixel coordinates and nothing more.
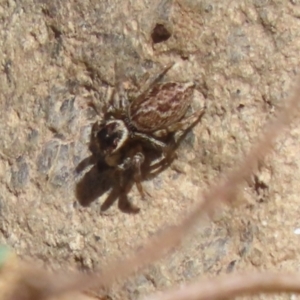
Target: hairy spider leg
(165, 148)
(148, 138)
(156, 78)
(125, 165)
(118, 101)
(180, 128)
(137, 161)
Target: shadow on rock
(99, 180)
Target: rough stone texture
(58, 56)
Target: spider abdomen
(163, 105)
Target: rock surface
(58, 56)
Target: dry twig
(232, 285)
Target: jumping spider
(152, 119)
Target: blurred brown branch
(232, 285)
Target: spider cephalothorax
(151, 118)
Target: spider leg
(167, 153)
(118, 101)
(148, 138)
(179, 128)
(134, 161)
(156, 78)
(125, 165)
(167, 156)
(182, 126)
(137, 161)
